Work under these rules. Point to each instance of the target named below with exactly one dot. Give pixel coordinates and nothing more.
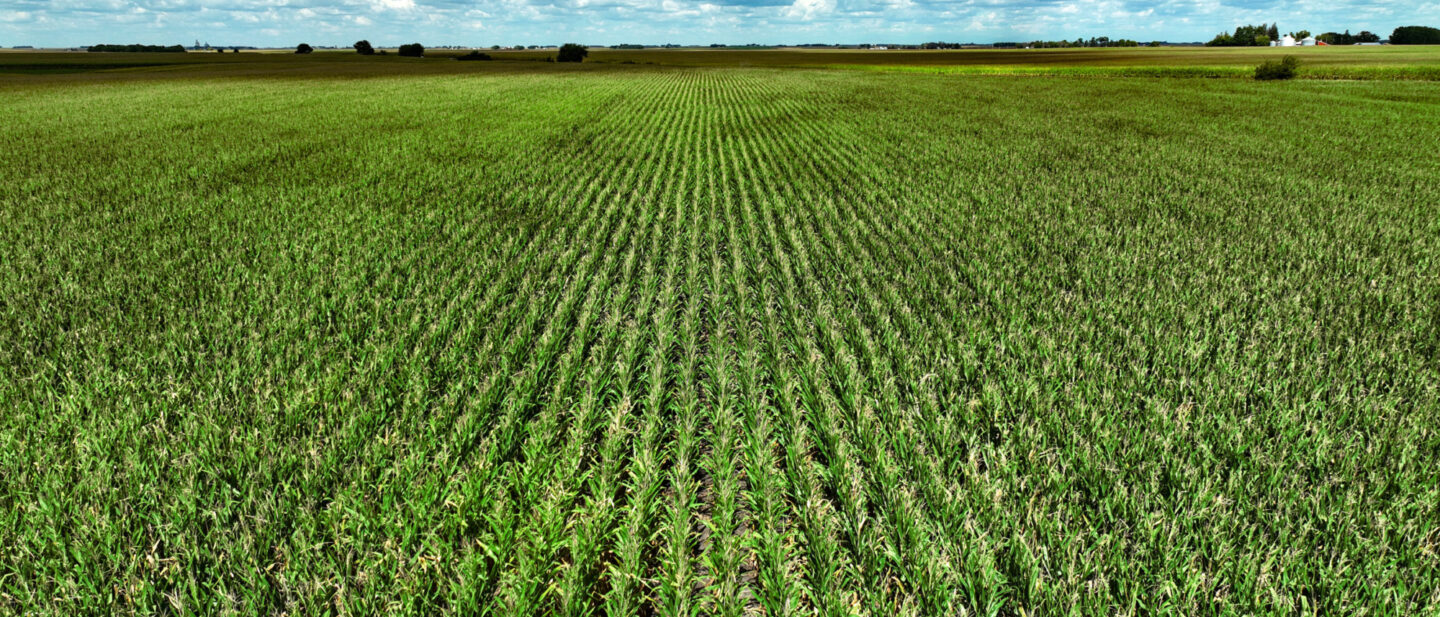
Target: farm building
(1289, 41)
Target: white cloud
(810, 9)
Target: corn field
(719, 341)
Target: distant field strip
(1383, 63)
(1327, 72)
(720, 342)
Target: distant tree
(1262, 41)
(1273, 32)
(364, 48)
(413, 50)
(1155, 43)
(1301, 35)
(304, 48)
(1345, 38)
(494, 48)
(1415, 35)
(1367, 36)
(1244, 36)
(474, 55)
(571, 52)
(1271, 70)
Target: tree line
(569, 52)
(138, 48)
(1345, 38)
(1250, 36)
(1102, 41)
(1415, 35)
(1262, 35)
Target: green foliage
(522, 340)
(1245, 36)
(1415, 35)
(571, 52)
(474, 55)
(304, 48)
(1103, 41)
(1345, 38)
(1281, 69)
(364, 48)
(413, 50)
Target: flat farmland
(522, 338)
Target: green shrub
(1283, 69)
(413, 50)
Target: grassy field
(519, 338)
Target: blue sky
(603, 22)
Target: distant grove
(1262, 35)
(1415, 35)
(138, 48)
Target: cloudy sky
(603, 22)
